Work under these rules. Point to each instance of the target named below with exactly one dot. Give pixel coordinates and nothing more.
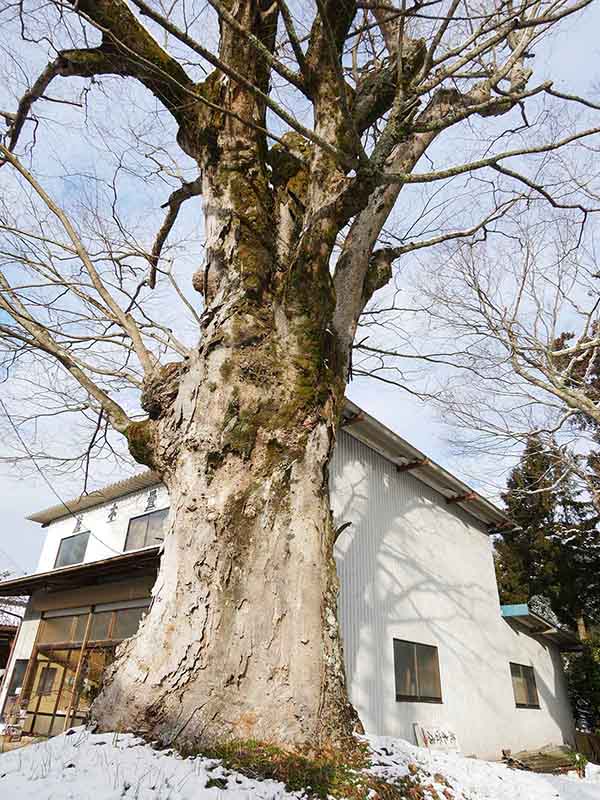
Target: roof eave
(538, 626)
(133, 562)
(377, 436)
(142, 480)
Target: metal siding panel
(413, 567)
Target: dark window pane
(428, 672)
(127, 622)
(80, 626)
(16, 681)
(58, 725)
(101, 626)
(72, 550)
(95, 662)
(417, 672)
(146, 531)
(405, 669)
(46, 682)
(42, 724)
(532, 695)
(58, 629)
(518, 682)
(136, 534)
(524, 687)
(156, 526)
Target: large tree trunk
(242, 639)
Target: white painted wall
(106, 538)
(23, 647)
(412, 567)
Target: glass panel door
(95, 661)
(52, 691)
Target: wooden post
(86, 637)
(29, 672)
(581, 628)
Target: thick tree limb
(240, 79)
(263, 51)
(491, 161)
(134, 52)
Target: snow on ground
(86, 766)
(479, 780)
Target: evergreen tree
(583, 679)
(553, 550)
(526, 552)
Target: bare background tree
(11, 608)
(521, 311)
(222, 361)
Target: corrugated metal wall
(382, 505)
(413, 567)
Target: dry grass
(338, 774)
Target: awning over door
(539, 622)
(127, 565)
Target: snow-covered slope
(85, 766)
(472, 779)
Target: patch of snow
(81, 765)
(86, 766)
(472, 779)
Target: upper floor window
(417, 672)
(147, 530)
(524, 687)
(72, 550)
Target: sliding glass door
(65, 673)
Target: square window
(127, 622)
(417, 672)
(63, 629)
(46, 681)
(147, 530)
(524, 686)
(72, 550)
(101, 622)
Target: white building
(425, 638)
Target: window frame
(531, 671)
(15, 684)
(44, 688)
(74, 642)
(418, 698)
(67, 539)
(142, 516)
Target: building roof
(377, 436)
(540, 620)
(362, 427)
(126, 565)
(141, 480)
